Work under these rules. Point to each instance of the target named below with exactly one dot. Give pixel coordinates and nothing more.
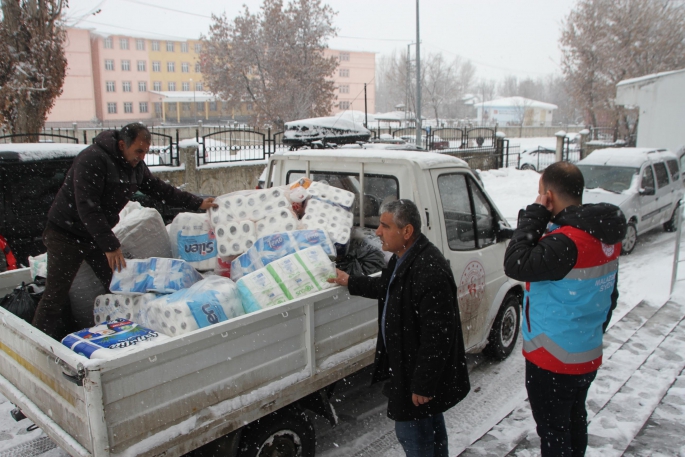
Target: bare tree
(273, 59)
(33, 63)
(441, 83)
(606, 41)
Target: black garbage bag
(20, 303)
(362, 258)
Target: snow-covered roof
(28, 152)
(647, 78)
(625, 157)
(331, 122)
(187, 96)
(517, 102)
(422, 159)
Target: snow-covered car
(645, 183)
(537, 159)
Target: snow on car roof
(625, 157)
(421, 158)
(29, 152)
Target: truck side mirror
(647, 191)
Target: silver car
(645, 183)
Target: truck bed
(183, 393)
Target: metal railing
(46, 138)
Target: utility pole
(418, 80)
(366, 114)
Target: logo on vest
(471, 289)
(608, 249)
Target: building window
(197, 68)
(185, 106)
(199, 106)
(345, 56)
(128, 107)
(172, 86)
(198, 86)
(123, 43)
(344, 105)
(171, 67)
(344, 89)
(212, 106)
(157, 86)
(111, 108)
(126, 65)
(156, 66)
(141, 65)
(140, 44)
(109, 64)
(184, 47)
(142, 107)
(185, 87)
(158, 108)
(170, 46)
(155, 45)
(107, 43)
(198, 48)
(185, 67)
(344, 72)
(110, 86)
(142, 86)
(126, 86)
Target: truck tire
(505, 329)
(286, 433)
(630, 240)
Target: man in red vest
(7, 259)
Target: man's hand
(543, 199)
(420, 400)
(116, 260)
(208, 203)
(341, 278)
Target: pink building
(121, 68)
(77, 102)
(355, 69)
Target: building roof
(648, 78)
(517, 102)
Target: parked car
(647, 184)
(537, 159)
(437, 142)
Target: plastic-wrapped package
(210, 301)
(154, 275)
(192, 239)
(331, 194)
(235, 237)
(111, 306)
(260, 290)
(39, 266)
(334, 219)
(110, 339)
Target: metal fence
(38, 138)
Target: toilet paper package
(248, 205)
(207, 302)
(234, 238)
(108, 307)
(192, 239)
(331, 194)
(335, 220)
(154, 275)
(260, 290)
(111, 339)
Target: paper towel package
(154, 275)
(110, 339)
(111, 306)
(292, 276)
(209, 301)
(192, 239)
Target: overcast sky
(501, 37)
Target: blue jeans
(423, 437)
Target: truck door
(470, 244)
(648, 206)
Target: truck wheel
(505, 329)
(527, 166)
(630, 239)
(669, 225)
(284, 433)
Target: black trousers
(558, 405)
(65, 255)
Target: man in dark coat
(420, 347)
(98, 185)
(567, 253)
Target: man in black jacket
(567, 253)
(420, 347)
(98, 185)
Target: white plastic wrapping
(192, 239)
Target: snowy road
(635, 405)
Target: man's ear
(409, 232)
(121, 145)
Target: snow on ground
(530, 144)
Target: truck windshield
(613, 179)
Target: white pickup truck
(241, 386)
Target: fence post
(178, 150)
(201, 127)
(268, 131)
(75, 125)
(561, 135)
(584, 134)
(499, 149)
(85, 137)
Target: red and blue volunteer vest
(562, 320)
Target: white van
(645, 183)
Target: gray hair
(404, 212)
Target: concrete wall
(661, 100)
(211, 180)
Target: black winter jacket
(98, 185)
(425, 347)
(529, 258)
